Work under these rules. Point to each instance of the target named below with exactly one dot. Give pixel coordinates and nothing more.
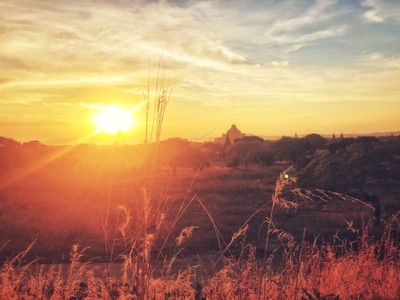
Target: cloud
(12, 64)
(380, 11)
(242, 54)
(301, 39)
(280, 63)
(57, 38)
(380, 61)
(295, 18)
(298, 27)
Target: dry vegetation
(183, 247)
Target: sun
(113, 119)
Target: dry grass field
(98, 223)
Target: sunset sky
(272, 68)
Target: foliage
(354, 164)
(245, 151)
(293, 149)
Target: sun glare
(112, 119)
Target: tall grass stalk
(152, 213)
(138, 235)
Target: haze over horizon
(273, 68)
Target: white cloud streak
(380, 11)
(297, 28)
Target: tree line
(319, 162)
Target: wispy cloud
(80, 39)
(297, 27)
(295, 18)
(233, 55)
(380, 11)
(283, 63)
(379, 61)
(299, 40)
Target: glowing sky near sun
(270, 67)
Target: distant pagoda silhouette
(230, 136)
